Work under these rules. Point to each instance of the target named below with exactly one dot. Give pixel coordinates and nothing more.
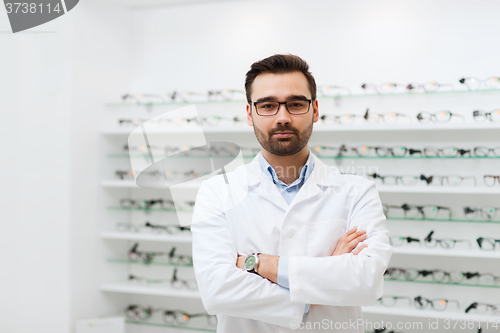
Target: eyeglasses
(130, 122)
(294, 107)
(481, 116)
(141, 279)
(182, 283)
(451, 180)
(445, 152)
(391, 87)
(487, 244)
(182, 318)
(437, 304)
(400, 240)
(412, 274)
(437, 117)
(407, 180)
(490, 180)
(485, 151)
(487, 213)
(473, 83)
(390, 301)
(147, 257)
(342, 119)
(388, 118)
(415, 211)
(441, 276)
(445, 243)
(333, 91)
(127, 227)
(226, 94)
(483, 308)
(178, 317)
(428, 87)
(171, 229)
(147, 204)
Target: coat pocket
(322, 236)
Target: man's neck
(287, 168)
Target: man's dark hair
(279, 64)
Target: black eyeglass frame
(286, 107)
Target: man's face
(283, 134)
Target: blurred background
(61, 91)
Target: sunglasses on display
(437, 117)
(473, 83)
(170, 229)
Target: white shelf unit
(461, 134)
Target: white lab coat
(326, 207)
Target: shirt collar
(304, 172)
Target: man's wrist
(268, 267)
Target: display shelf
(169, 326)
(320, 128)
(157, 157)
(112, 183)
(447, 252)
(349, 96)
(441, 220)
(412, 312)
(439, 189)
(128, 262)
(128, 288)
(445, 283)
(150, 209)
(164, 237)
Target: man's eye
(267, 106)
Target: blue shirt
(288, 192)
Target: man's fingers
(359, 249)
(352, 244)
(355, 235)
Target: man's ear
(315, 111)
(249, 115)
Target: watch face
(249, 262)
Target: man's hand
(240, 262)
(349, 241)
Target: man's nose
(283, 116)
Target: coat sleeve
(347, 280)
(225, 288)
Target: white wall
(345, 42)
(54, 81)
(35, 179)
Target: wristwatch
(252, 262)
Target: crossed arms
(351, 276)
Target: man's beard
(283, 146)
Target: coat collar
(322, 177)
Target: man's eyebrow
(288, 98)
